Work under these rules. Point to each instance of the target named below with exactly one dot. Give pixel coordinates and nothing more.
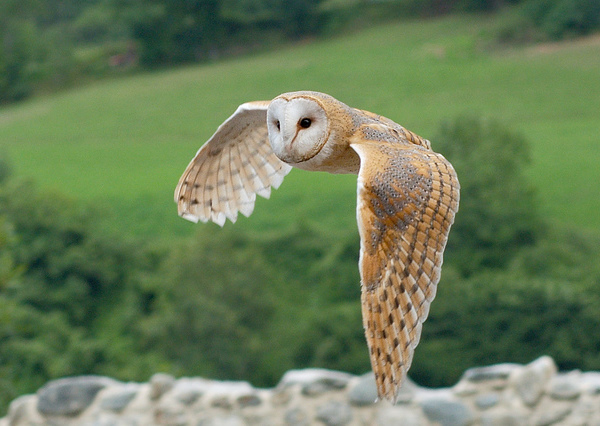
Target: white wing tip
(247, 209)
(191, 217)
(218, 217)
(277, 179)
(232, 216)
(265, 192)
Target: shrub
(559, 19)
(546, 302)
(70, 293)
(497, 213)
(19, 49)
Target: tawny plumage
(407, 198)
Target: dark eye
(305, 123)
(278, 124)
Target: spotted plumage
(407, 198)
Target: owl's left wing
(234, 165)
(407, 198)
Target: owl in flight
(407, 198)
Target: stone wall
(502, 395)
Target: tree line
(78, 299)
(49, 44)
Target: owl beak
(289, 131)
(289, 137)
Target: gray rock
(171, 415)
(187, 387)
(334, 413)
(583, 411)
(188, 396)
(315, 381)
(231, 420)
(70, 396)
(398, 415)
(529, 385)
(487, 400)
(249, 400)
(549, 417)
(118, 398)
(530, 381)
(315, 389)
(502, 418)
(189, 390)
(221, 402)
(280, 396)
(364, 392)
(565, 386)
(464, 388)
(160, 384)
(227, 388)
(112, 421)
(17, 409)
(492, 372)
(296, 417)
(447, 411)
(590, 382)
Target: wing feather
(225, 186)
(259, 176)
(407, 198)
(234, 165)
(216, 215)
(247, 207)
(208, 179)
(244, 199)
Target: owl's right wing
(407, 198)
(234, 165)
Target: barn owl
(407, 198)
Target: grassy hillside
(127, 141)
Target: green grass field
(125, 142)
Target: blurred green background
(104, 102)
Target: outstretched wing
(407, 198)
(234, 165)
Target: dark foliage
(544, 303)
(49, 44)
(559, 19)
(230, 305)
(498, 213)
(70, 293)
(543, 20)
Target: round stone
(250, 400)
(487, 400)
(364, 391)
(160, 384)
(335, 413)
(565, 387)
(296, 417)
(530, 381)
(70, 396)
(446, 411)
(118, 399)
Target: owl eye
(278, 124)
(305, 123)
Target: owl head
(298, 126)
